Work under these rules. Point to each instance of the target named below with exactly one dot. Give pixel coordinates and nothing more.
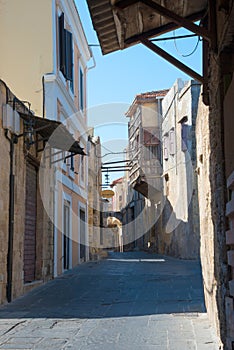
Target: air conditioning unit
(10, 119)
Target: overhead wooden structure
(122, 23)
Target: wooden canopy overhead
(122, 23)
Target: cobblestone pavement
(130, 301)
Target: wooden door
(30, 224)
(82, 234)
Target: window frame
(66, 51)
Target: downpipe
(13, 140)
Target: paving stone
(125, 303)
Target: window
(150, 136)
(165, 147)
(152, 152)
(82, 168)
(66, 234)
(72, 163)
(101, 236)
(184, 137)
(184, 133)
(81, 90)
(65, 51)
(172, 141)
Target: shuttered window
(184, 137)
(172, 141)
(81, 90)
(65, 50)
(72, 163)
(62, 46)
(165, 148)
(69, 56)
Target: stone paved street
(126, 302)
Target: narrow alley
(128, 301)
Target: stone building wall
(212, 199)
(4, 201)
(44, 228)
(94, 198)
(208, 247)
(229, 169)
(180, 218)
(214, 132)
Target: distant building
(144, 179)
(180, 219)
(94, 195)
(119, 202)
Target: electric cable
(192, 52)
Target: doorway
(30, 224)
(66, 235)
(82, 234)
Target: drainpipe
(43, 97)
(12, 141)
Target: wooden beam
(165, 12)
(205, 66)
(183, 22)
(172, 60)
(161, 30)
(122, 4)
(212, 24)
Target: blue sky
(119, 76)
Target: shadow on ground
(123, 285)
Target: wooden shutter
(81, 90)
(69, 55)
(62, 45)
(30, 224)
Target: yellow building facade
(44, 58)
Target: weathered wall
(31, 47)
(4, 201)
(94, 189)
(44, 237)
(212, 193)
(229, 168)
(180, 221)
(206, 223)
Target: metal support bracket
(208, 33)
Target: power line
(191, 53)
(173, 37)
